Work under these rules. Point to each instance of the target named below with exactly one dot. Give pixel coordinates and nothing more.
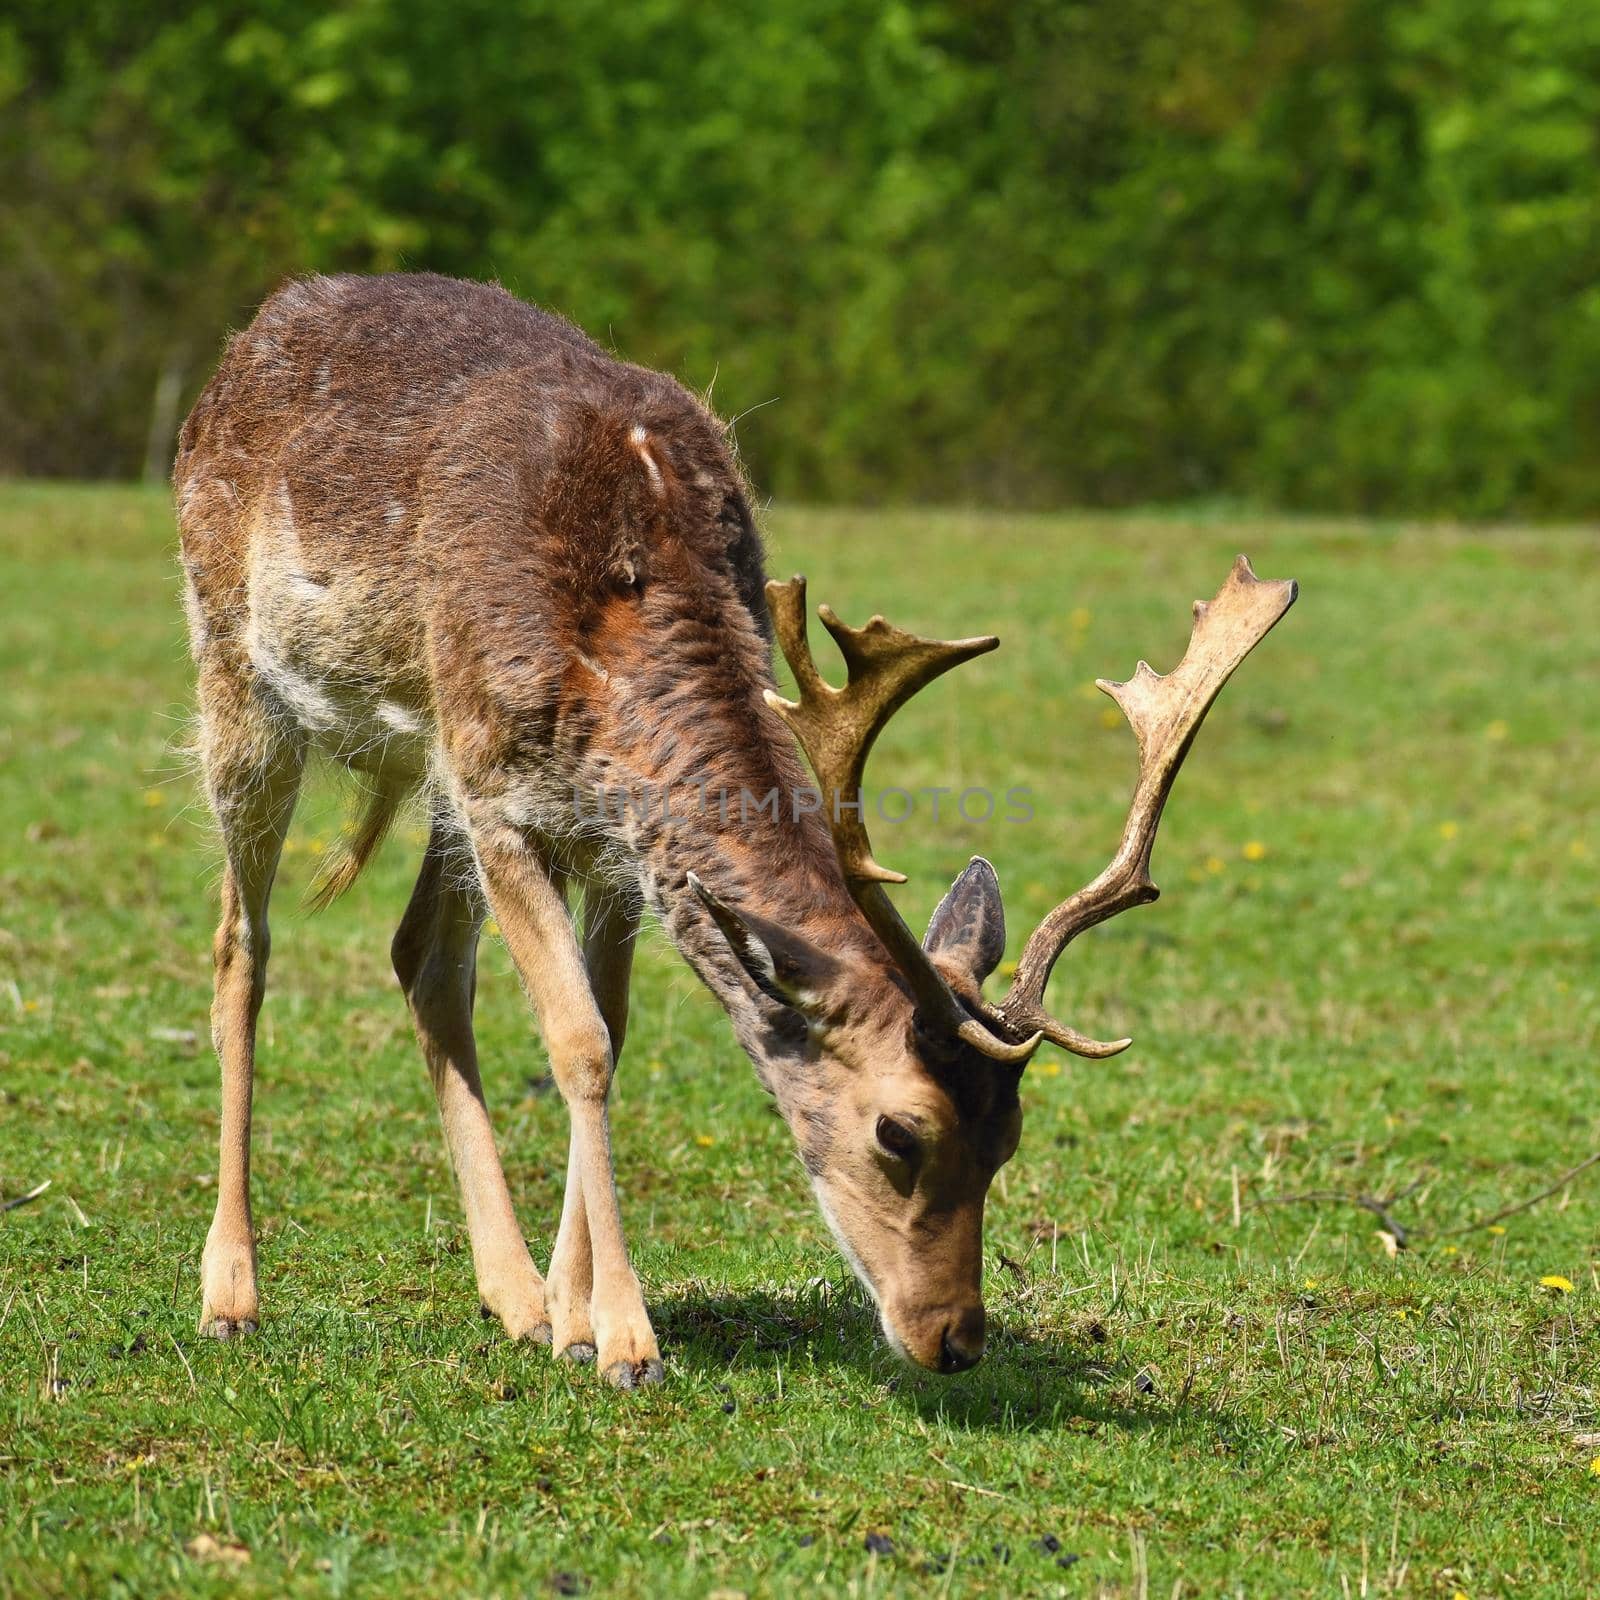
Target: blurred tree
(1329, 253)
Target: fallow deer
(448, 541)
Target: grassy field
(1372, 974)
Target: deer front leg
(611, 924)
(435, 955)
(538, 931)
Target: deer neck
(722, 794)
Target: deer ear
(782, 965)
(968, 930)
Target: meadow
(1259, 1326)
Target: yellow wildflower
(704, 1140)
(1254, 850)
(1046, 1069)
(152, 798)
(1110, 717)
(1496, 1229)
(1311, 1283)
(1448, 830)
(1215, 864)
(1554, 1280)
(1594, 1468)
(1080, 617)
(1497, 729)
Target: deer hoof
(226, 1328)
(635, 1374)
(580, 1352)
(522, 1325)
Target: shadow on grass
(1024, 1383)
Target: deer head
(918, 1105)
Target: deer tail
(355, 848)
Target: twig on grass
(1379, 1208)
(23, 1199)
(1528, 1204)
(1403, 1236)
(185, 1360)
(1016, 1268)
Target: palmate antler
(836, 728)
(1165, 713)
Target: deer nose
(961, 1345)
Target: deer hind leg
(252, 771)
(527, 902)
(435, 956)
(611, 924)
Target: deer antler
(1165, 713)
(836, 729)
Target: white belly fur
(298, 638)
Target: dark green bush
(1329, 253)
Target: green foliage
(1373, 965)
(1320, 252)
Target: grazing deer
(448, 541)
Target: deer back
(417, 507)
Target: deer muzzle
(943, 1339)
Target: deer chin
(898, 1345)
(891, 1335)
(859, 1267)
(847, 1250)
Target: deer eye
(897, 1139)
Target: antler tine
(836, 729)
(1165, 714)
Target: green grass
(1393, 985)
